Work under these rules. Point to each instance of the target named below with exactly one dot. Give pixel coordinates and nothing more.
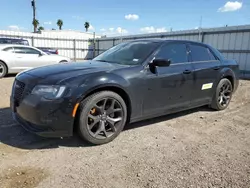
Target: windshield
(130, 53)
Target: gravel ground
(195, 148)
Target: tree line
(59, 23)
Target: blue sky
(129, 16)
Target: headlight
(49, 92)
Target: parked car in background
(132, 81)
(16, 58)
(14, 41)
(26, 42)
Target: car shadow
(159, 119)
(12, 134)
(10, 75)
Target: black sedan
(130, 82)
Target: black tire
(93, 102)
(3, 69)
(63, 61)
(222, 96)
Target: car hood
(72, 69)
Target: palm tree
(35, 23)
(59, 23)
(86, 25)
(40, 28)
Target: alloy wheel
(225, 94)
(104, 118)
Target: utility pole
(94, 45)
(33, 4)
(200, 28)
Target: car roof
(161, 40)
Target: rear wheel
(3, 69)
(222, 95)
(102, 117)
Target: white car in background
(17, 58)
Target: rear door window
(175, 52)
(200, 53)
(9, 49)
(19, 50)
(25, 50)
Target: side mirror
(158, 63)
(161, 62)
(41, 54)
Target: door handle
(187, 71)
(216, 68)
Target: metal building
(233, 42)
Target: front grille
(18, 90)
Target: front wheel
(222, 95)
(102, 117)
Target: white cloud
(114, 32)
(102, 29)
(14, 28)
(230, 6)
(120, 30)
(47, 23)
(91, 28)
(131, 17)
(151, 29)
(161, 30)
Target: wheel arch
(108, 87)
(230, 75)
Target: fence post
(97, 47)
(202, 36)
(74, 44)
(94, 45)
(32, 40)
(113, 41)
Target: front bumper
(40, 130)
(43, 117)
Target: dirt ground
(195, 148)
